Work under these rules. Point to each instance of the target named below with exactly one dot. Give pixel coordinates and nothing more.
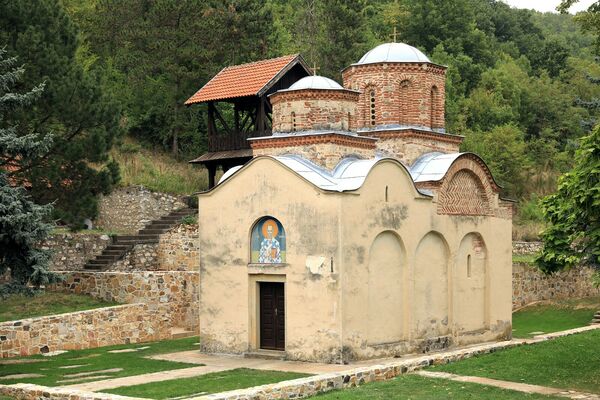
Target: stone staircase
(121, 244)
(596, 319)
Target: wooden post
(212, 171)
(261, 117)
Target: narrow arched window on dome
(433, 106)
(372, 115)
(349, 121)
(294, 121)
(403, 101)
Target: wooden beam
(220, 118)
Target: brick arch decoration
(468, 188)
(405, 86)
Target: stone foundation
(173, 294)
(132, 323)
(129, 209)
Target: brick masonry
(305, 110)
(403, 93)
(131, 323)
(129, 209)
(326, 154)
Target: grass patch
(17, 307)
(554, 316)
(99, 359)
(210, 383)
(416, 387)
(571, 362)
(158, 170)
(524, 258)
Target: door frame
(254, 307)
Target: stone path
(211, 363)
(519, 387)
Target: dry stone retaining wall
(530, 284)
(70, 251)
(129, 209)
(179, 249)
(173, 294)
(132, 323)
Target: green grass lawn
(570, 362)
(555, 316)
(205, 384)
(415, 387)
(47, 303)
(99, 359)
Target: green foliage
(573, 213)
(23, 224)
(215, 382)
(503, 148)
(90, 360)
(189, 220)
(83, 119)
(561, 359)
(17, 307)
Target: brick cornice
(423, 67)
(314, 94)
(304, 140)
(413, 133)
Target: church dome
(316, 82)
(393, 52)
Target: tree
(75, 108)
(23, 224)
(573, 213)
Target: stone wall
(530, 284)
(128, 209)
(28, 391)
(173, 294)
(526, 247)
(72, 250)
(179, 249)
(132, 323)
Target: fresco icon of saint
(268, 242)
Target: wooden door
(272, 316)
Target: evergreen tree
(74, 107)
(23, 224)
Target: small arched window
(372, 114)
(403, 100)
(469, 266)
(268, 242)
(433, 106)
(349, 121)
(293, 121)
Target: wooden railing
(226, 142)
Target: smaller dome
(393, 52)
(316, 82)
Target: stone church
(351, 227)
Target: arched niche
(386, 289)
(470, 291)
(267, 242)
(430, 298)
(404, 101)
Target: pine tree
(74, 107)
(23, 224)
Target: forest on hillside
(520, 84)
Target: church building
(352, 226)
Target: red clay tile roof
(241, 80)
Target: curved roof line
(434, 166)
(348, 176)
